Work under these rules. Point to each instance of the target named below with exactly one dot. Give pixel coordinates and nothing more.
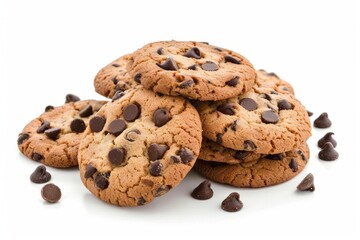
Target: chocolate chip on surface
(117, 156)
(156, 151)
(116, 127)
(40, 175)
(328, 152)
(77, 125)
(233, 82)
(132, 135)
(219, 138)
(192, 67)
(132, 112)
(307, 184)
(293, 165)
(155, 168)
(322, 121)
(327, 138)
(193, 53)
(49, 108)
(161, 116)
(186, 84)
(137, 78)
(160, 51)
(269, 117)
(231, 59)
(52, 133)
(118, 94)
(226, 108)
(248, 103)
(44, 126)
(232, 203)
(186, 155)
(169, 65)
(278, 156)
(203, 191)
(36, 157)
(209, 66)
(97, 123)
(89, 171)
(71, 98)
(101, 181)
(249, 145)
(22, 138)
(51, 193)
(241, 155)
(284, 105)
(86, 111)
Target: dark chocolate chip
(22, 138)
(116, 127)
(293, 165)
(86, 111)
(132, 135)
(162, 190)
(274, 92)
(269, 117)
(115, 65)
(278, 156)
(101, 181)
(117, 156)
(89, 171)
(301, 153)
(115, 81)
(169, 65)
(186, 84)
(186, 155)
(49, 108)
(322, 121)
(285, 89)
(192, 67)
(160, 51)
(44, 126)
(226, 108)
(155, 168)
(233, 82)
(156, 151)
(193, 53)
(266, 96)
(161, 116)
(131, 112)
(307, 184)
(209, 66)
(328, 153)
(141, 201)
(77, 125)
(52, 133)
(272, 74)
(231, 59)
(219, 138)
(218, 49)
(51, 193)
(97, 123)
(241, 155)
(248, 103)
(233, 125)
(71, 98)
(36, 157)
(207, 43)
(40, 175)
(309, 113)
(175, 159)
(249, 145)
(327, 138)
(284, 105)
(137, 78)
(118, 94)
(232, 203)
(203, 191)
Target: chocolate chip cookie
(266, 171)
(268, 119)
(138, 147)
(192, 69)
(53, 138)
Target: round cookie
(268, 119)
(139, 147)
(266, 171)
(192, 69)
(114, 77)
(53, 138)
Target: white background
(51, 48)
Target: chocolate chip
(231, 59)
(141, 201)
(156, 151)
(116, 127)
(44, 126)
(278, 156)
(89, 171)
(175, 159)
(293, 165)
(155, 168)
(115, 65)
(272, 74)
(232, 203)
(284, 105)
(52, 133)
(219, 138)
(302, 155)
(77, 125)
(207, 43)
(49, 108)
(162, 190)
(327, 138)
(307, 184)
(218, 49)
(169, 64)
(274, 92)
(117, 156)
(132, 135)
(233, 126)
(248, 103)
(101, 181)
(186, 155)
(137, 78)
(186, 84)
(36, 157)
(309, 113)
(161, 116)
(192, 67)
(322, 121)
(285, 89)
(266, 96)
(203, 191)
(118, 94)
(86, 111)
(328, 153)
(233, 82)
(71, 98)
(269, 117)
(40, 175)
(209, 66)
(160, 51)
(226, 108)
(97, 123)
(249, 145)
(51, 193)
(22, 138)
(193, 53)
(131, 112)
(241, 155)
(115, 81)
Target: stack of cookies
(174, 106)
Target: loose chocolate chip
(137, 78)
(101, 181)
(309, 113)
(115, 65)
(22, 138)
(156, 151)
(328, 153)
(36, 157)
(232, 203)
(186, 155)
(233, 82)
(231, 59)
(51, 193)
(116, 127)
(44, 126)
(161, 116)
(278, 156)
(49, 108)
(169, 65)
(307, 184)
(160, 51)
(52, 133)
(327, 138)
(40, 175)
(77, 125)
(266, 96)
(248, 103)
(241, 155)
(203, 191)
(193, 53)
(89, 171)
(302, 155)
(132, 135)
(219, 138)
(233, 125)
(117, 156)
(131, 112)
(192, 67)
(97, 123)
(272, 74)
(249, 145)
(141, 201)
(284, 105)
(155, 168)
(209, 66)
(226, 108)
(86, 111)
(269, 117)
(322, 121)
(71, 98)
(186, 84)
(175, 159)
(293, 165)
(118, 94)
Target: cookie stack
(174, 106)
